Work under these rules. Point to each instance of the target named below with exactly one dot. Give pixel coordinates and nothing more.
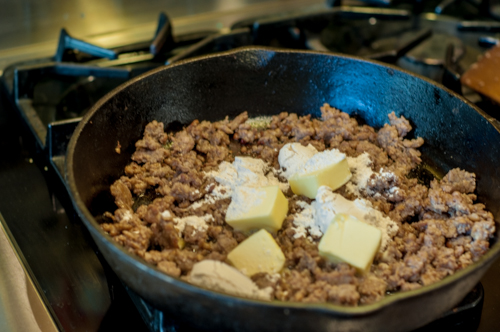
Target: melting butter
(307, 169)
(351, 241)
(257, 208)
(258, 253)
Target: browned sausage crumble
(441, 229)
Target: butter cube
(258, 253)
(256, 208)
(327, 168)
(352, 241)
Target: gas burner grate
(163, 40)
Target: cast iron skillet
(264, 82)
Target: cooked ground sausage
(441, 229)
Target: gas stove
(43, 97)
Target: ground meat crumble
(441, 229)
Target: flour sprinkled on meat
(172, 200)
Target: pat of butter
(258, 253)
(327, 168)
(352, 241)
(256, 208)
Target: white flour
(393, 192)
(243, 172)
(243, 200)
(293, 156)
(322, 160)
(198, 223)
(127, 216)
(239, 180)
(317, 216)
(304, 221)
(166, 215)
(360, 168)
(248, 172)
(389, 176)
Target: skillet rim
(361, 310)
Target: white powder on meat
(227, 174)
(208, 217)
(360, 168)
(304, 221)
(274, 277)
(322, 160)
(317, 216)
(166, 215)
(272, 180)
(293, 156)
(198, 204)
(243, 172)
(220, 192)
(393, 192)
(127, 216)
(328, 204)
(198, 223)
(388, 178)
(302, 204)
(248, 172)
(243, 200)
(387, 175)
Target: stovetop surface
(80, 290)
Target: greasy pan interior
(265, 82)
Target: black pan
(264, 82)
